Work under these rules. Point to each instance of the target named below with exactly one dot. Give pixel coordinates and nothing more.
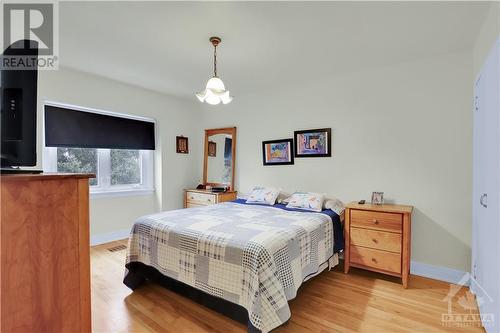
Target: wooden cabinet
(200, 198)
(378, 238)
(45, 262)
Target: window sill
(121, 193)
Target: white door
(486, 213)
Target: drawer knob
(192, 198)
(209, 200)
(375, 241)
(375, 221)
(374, 260)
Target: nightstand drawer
(377, 220)
(193, 205)
(383, 260)
(380, 240)
(200, 198)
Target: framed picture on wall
(313, 143)
(277, 152)
(181, 145)
(212, 149)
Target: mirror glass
(219, 159)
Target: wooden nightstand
(378, 238)
(199, 198)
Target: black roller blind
(66, 127)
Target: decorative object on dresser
(313, 143)
(219, 189)
(218, 170)
(45, 253)
(181, 145)
(277, 152)
(378, 238)
(377, 198)
(199, 198)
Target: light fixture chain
(215, 60)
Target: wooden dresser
(378, 238)
(45, 261)
(199, 198)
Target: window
(116, 170)
(123, 163)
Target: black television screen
(18, 100)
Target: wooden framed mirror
(219, 157)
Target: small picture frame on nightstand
(377, 198)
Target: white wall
(173, 116)
(404, 129)
(489, 33)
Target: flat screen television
(18, 100)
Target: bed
(235, 256)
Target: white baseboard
(109, 237)
(436, 272)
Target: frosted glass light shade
(215, 92)
(215, 84)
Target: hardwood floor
(331, 302)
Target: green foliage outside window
(77, 160)
(125, 167)
(125, 164)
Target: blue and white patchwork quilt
(255, 256)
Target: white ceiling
(164, 46)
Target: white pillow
(334, 204)
(263, 195)
(306, 201)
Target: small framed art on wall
(182, 145)
(313, 143)
(277, 152)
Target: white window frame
(104, 187)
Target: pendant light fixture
(215, 92)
